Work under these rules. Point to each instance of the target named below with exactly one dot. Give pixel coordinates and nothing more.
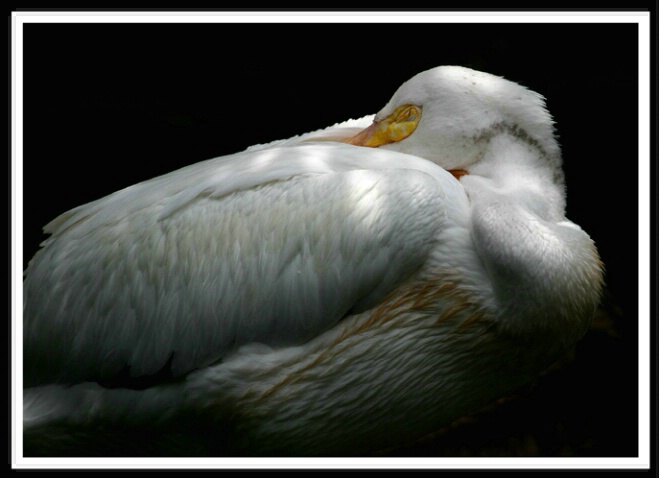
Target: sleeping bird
(333, 294)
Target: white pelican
(332, 294)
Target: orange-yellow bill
(396, 127)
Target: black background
(108, 105)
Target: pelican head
(450, 115)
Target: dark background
(110, 105)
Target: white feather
(276, 256)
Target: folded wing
(272, 246)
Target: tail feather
(88, 420)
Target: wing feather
(181, 270)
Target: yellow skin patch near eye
(392, 129)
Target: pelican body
(338, 293)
